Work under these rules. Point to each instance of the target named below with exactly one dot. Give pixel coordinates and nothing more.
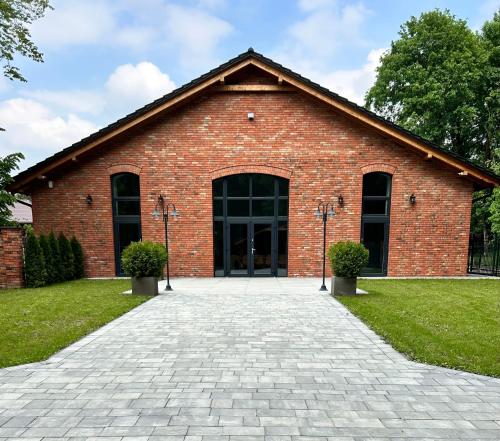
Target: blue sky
(105, 58)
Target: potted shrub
(347, 259)
(144, 262)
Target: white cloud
(195, 34)
(73, 23)
(36, 131)
(326, 27)
(137, 85)
(83, 101)
(45, 121)
(354, 83)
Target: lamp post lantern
(164, 206)
(325, 211)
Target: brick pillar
(11, 257)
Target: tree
(34, 264)
(67, 258)
(15, 38)
(58, 275)
(7, 164)
(78, 255)
(430, 82)
(50, 267)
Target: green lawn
(451, 323)
(35, 323)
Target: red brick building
(246, 152)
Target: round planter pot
(145, 286)
(344, 286)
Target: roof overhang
(286, 80)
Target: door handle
(252, 248)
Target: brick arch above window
(124, 168)
(256, 168)
(378, 167)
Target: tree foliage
(67, 258)
(79, 271)
(441, 80)
(7, 165)
(34, 264)
(15, 38)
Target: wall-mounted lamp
(50, 184)
(251, 116)
(88, 199)
(341, 201)
(413, 199)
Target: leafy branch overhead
(15, 37)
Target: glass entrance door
(238, 249)
(262, 249)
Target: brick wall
(11, 257)
(322, 152)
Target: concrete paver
(242, 360)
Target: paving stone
(242, 360)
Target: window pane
(283, 207)
(282, 248)
(263, 207)
(238, 253)
(375, 207)
(219, 248)
(127, 208)
(283, 186)
(126, 184)
(376, 184)
(263, 185)
(218, 210)
(262, 245)
(217, 187)
(238, 207)
(128, 233)
(373, 239)
(238, 185)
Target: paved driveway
(242, 360)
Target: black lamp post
(325, 210)
(164, 206)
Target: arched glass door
(250, 225)
(126, 213)
(375, 221)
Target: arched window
(375, 221)
(126, 213)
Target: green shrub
(144, 259)
(67, 258)
(58, 275)
(79, 271)
(48, 258)
(347, 258)
(34, 264)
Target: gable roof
(481, 176)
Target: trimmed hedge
(144, 259)
(48, 259)
(34, 268)
(79, 271)
(347, 258)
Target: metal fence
(484, 255)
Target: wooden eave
(286, 81)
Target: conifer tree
(79, 270)
(56, 257)
(67, 258)
(34, 265)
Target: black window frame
(122, 218)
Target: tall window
(126, 213)
(375, 221)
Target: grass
(36, 323)
(450, 323)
